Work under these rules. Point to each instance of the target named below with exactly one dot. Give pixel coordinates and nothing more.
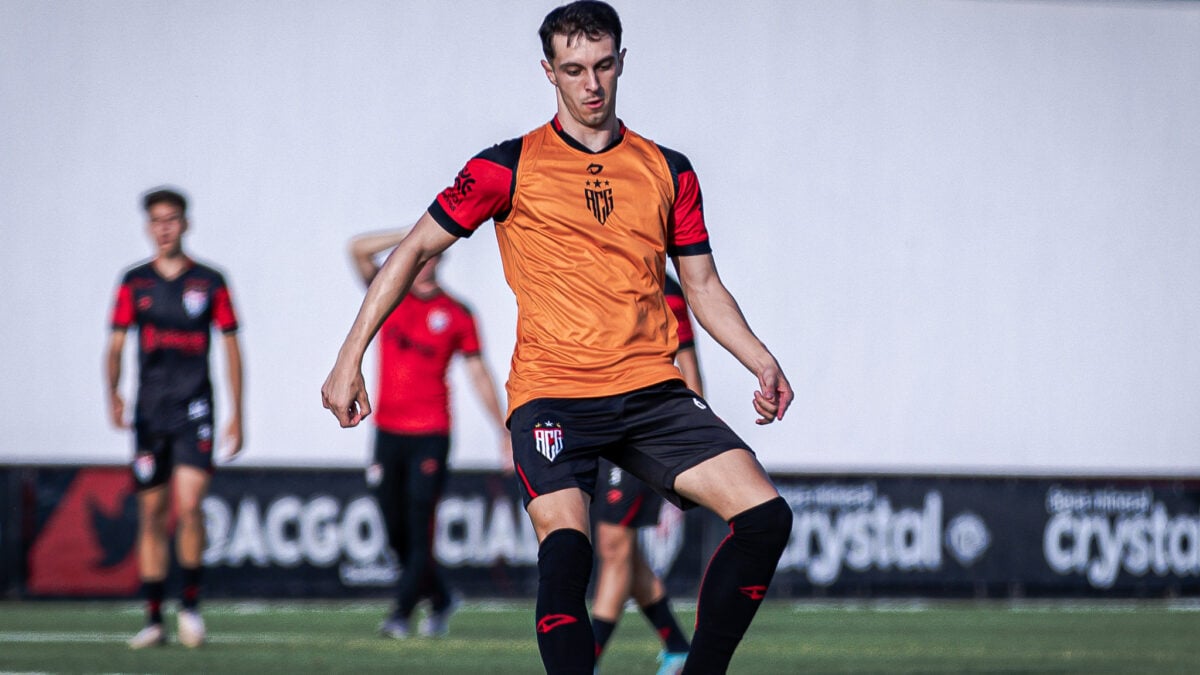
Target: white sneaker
(190, 628)
(395, 628)
(437, 624)
(152, 635)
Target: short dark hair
(167, 195)
(592, 18)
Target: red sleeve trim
(481, 191)
(123, 311)
(223, 314)
(687, 215)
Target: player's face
(585, 73)
(167, 225)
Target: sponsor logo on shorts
(548, 439)
(143, 467)
(197, 409)
(613, 496)
(429, 466)
(195, 301)
(699, 404)
(204, 432)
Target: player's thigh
(559, 510)
(189, 484)
(727, 484)
(615, 544)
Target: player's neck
(171, 265)
(425, 290)
(592, 138)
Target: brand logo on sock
(551, 621)
(754, 592)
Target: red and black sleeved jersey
(416, 343)
(173, 318)
(678, 304)
(583, 238)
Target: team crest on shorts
(143, 467)
(548, 439)
(195, 300)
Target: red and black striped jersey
(174, 319)
(416, 343)
(583, 238)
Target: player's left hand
(773, 397)
(233, 439)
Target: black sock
(663, 620)
(603, 630)
(564, 633)
(154, 591)
(191, 587)
(735, 583)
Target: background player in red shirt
(623, 505)
(412, 438)
(174, 302)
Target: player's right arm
(344, 392)
(112, 373)
(364, 248)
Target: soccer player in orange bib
(586, 212)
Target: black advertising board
(319, 533)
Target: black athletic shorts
(654, 433)
(157, 453)
(624, 500)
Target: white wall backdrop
(970, 231)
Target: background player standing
(626, 504)
(173, 301)
(412, 437)
(585, 212)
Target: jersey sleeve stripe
(448, 224)
(123, 315)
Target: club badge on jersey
(195, 301)
(548, 439)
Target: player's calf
(564, 633)
(736, 583)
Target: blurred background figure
(173, 301)
(412, 420)
(623, 504)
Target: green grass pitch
(497, 637)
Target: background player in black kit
(624, 504)
(173, 301)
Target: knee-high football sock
(564, 634)
(736, 581)
(154, 592)
(663, 619)
(603, 630)
(191, 587)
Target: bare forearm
(719, 314)
(485, 389)
(233, 353)
(364, 248)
